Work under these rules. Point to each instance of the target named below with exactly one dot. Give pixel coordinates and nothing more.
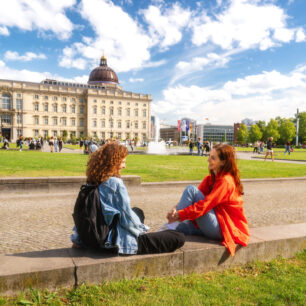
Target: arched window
(6, 101)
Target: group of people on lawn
(214, 209)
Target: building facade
(216, 133)
(100, 108)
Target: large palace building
(100, 108)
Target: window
(45, 133)
(46, 106)
(94, 123)
(36, 133)
(72, 122)
(73, 100)
(19, 132)
(64, 99)
(46, 98)
(119, 124)
(119, 102)
(73, 133)
(144, 136)
(6, 118)
(136, 112)
(19, 119)
(36, 97)
(6, 101)
(103, 123)
(128, 111)
(119, 135)
(54, 98)
(144, 113)
(54, 121)
(144, 105)
(36, 120)
(144, 125)
(46, 121)
(81, 100)
(136, 135)
(95, 110)
(19, 103)
(103, 101)
(64, 121)
(54, 133)
(111, 102)
(95, 134)
(119, 111)
(55, 108)
(111, 111)
(103, 110)
(73, 109)
(95, 100)
(127, 135)
(128, 103)
(103, 135)
(64, 108)
(81, 122)
(36, 106)
(136, 104)
(127, 124)
(136, 124)
(81, 109)
(111, 123)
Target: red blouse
(228, 204)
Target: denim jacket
(115, 200)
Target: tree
(255, 133)
(302, 126)
(271, 130)
(64, 134)
(286, 130)
(262, 126)
(242, 134)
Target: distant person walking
(191, 145)
(20, 143)
(287, 148)
(51, 144)
(81, 143)
(199, 146)
(60, 144)
(270, 149)
(55, 144)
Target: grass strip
(151, 168)
(278, 282)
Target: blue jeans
(208, 223)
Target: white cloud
(124, 42)
(136, 80)
(27, 57)
(38, 15)
(4, 31)
(259, 97)
(243, 24)
(165, 25)
(34, 76)
(300, 35)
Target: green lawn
(296, 155)
(151, 168)
(278, 282)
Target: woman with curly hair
(215, 208)
(131, 237)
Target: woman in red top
(215, 208)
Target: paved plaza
(33, 221)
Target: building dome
(103, 74)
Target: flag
(191, 126)
(179, 125)
(187, 125)
(183, 125)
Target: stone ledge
(69, 267)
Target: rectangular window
(64, 99)
(111, 111)
(36, 97)
(95, 110)
(19, 132)
(73, 122)
(45, 133)
(36, 120)
(144, 125)
(119, 124)
(64, 121)
(103, 102)
(119, 135)
(103, 110)
(103, 135)
(54, 121)
(46, 97)
(81, 110)
(111, 134)
(54, 98)
(136, 124)
(36, 133)
(19, 103)
(73, 100)
(94, 123)
(36, 106)
(5, 118)
(73, 109)
(103, 123)
(119, 111)
(119, 103)
(19, 119)
(55, 133)
(136, 112)
(81, 122)
(6, 102)
(128, 111)
(64, 108)
(55, 108)
(128, 124)
(46, 121)
(111, 124)
(81, 100)
(46, 107)
(144, 113)
(111, 102)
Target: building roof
(103, 74)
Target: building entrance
(6, 133)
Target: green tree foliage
(255, 133)
(242, 134)
(286, 130)
(262, 126)
(272, 130)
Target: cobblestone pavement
(39, 221)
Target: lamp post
(297, 127)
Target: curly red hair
(105, 163)
(227, 154)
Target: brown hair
(226, 153)
(105, 163)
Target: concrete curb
(69, 267)
(48, 184)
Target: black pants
(158, 242)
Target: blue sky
(225, 60)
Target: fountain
(156, 146)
